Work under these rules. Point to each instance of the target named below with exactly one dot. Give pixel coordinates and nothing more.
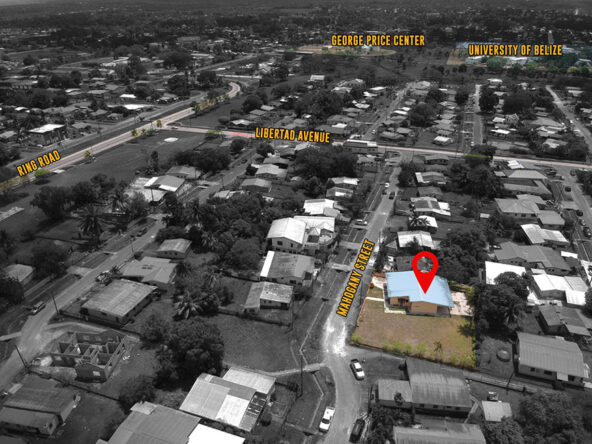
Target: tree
(244, 254)
(212, 160)
(91, 225)
(7, 243)
(174, 210)
(186, 307)
(138, 389)
(172, 232)
(49, 259)
(488, 100)
(416, 221)
(154, 160)
(251, 102)
(406, 176)
(461, 96)
(137, 206)
(550, 417)
(382, 421)
(178, 85)
(53, 201)
(12, 290)
(264, 149)
(508, 431)
(84, 193)
(237, 145)
(179, 60)
(588, 304)
(193, 347)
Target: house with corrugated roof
(403, 290)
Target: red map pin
(425, 279)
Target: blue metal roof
(404, 283)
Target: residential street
(350, 394)
(33, 338)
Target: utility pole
(301, 374)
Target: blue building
(403, 290)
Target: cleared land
(415, 335)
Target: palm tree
(183, 268)
(416, 221)
(91, 224)
(513, 311)
(186, 307)
(118, 199)
(194, 212)
(208, 241)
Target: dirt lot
(404, 334)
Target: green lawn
(415, 335)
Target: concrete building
(263, 385)
(563, 321)
(268, 295)
(288, 268)
(534, 257)
(407, 238)
(302, 234)
(19, 272)
(38, 410)
(118, 302)
(521, 209)
(403, 290)
(154, 423)
(48, 133)
(159, 272)
(542, 236)
(452, 434)
(551, 358)
(184, 172)
(394, 393)
(94, 356)
(174, 249)
(430, 206)
(256, 185)
(225, 402)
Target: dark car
(357, 430)
(579, 212)
(568, 189)
(587, 232)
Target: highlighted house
(403, 290)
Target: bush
(137, 389)
(356, 339)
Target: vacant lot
(415, 335)
(255, 344)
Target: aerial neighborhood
(168, 275)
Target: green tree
(49, 259)
(193, 347)
(137, 389)
(84, 193)
(137, 206)
(91, 224)
(488, 100)
(508, 431)
(588, 304)
(155, 329)
(53, 201)
(12, 290)
(244, 254)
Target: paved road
(33, 339)
(477, 120)
(350, 395)
(571, 116)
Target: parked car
(142, 231)
(579, 212)
(392, 195)
(37, 308)
(326, 421)
(357, 430)
(568, 189)
(572, 172)
(357, 369)
(587, 232)
(386, 184)
(361, 222)
(582, 222)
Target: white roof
(46, 128)
(288, 228)
(345, 180)
(203, 434)
(424, 238)
(317, 206)
(537, 235)
(259, 382)
(319, 222)
(134, 106)
(494, 269)
(548, 282)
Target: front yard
(449, 340)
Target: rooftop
(155, 424)
(404, 283)
(46, 400)
(537, 235)
(517, 206)
(495, 411)
(437, 385)
(454, 434)
(424, 239)
(279, 265)
(204, 434)
(259, 382)
(119, 297)
(533, 254)
(150, 269)
(178, 245)
(552, 354)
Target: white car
(386, 184)
(326, 421)
(357, 369)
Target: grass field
(415, 335)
